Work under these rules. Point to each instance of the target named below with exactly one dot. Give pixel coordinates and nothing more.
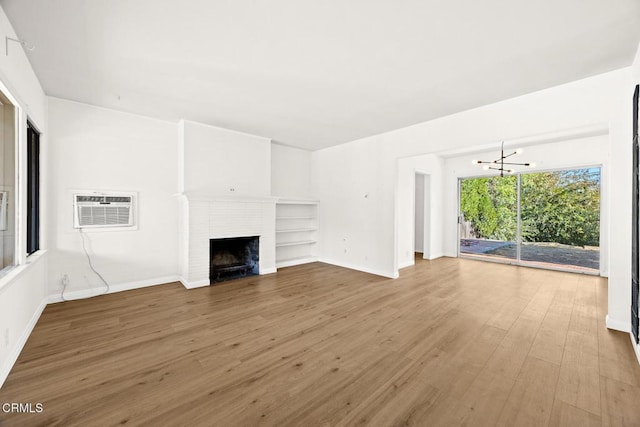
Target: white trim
(197, 284)
(393, 275)
(11, 275)
(617, 325)
(207, 282)
(296, 261)
(19, 345)
(636, 347)
(436, 256)
(196, 196)
(94, 292)
(109, 110)
(238, 132)
(284, 201)
(406, 264)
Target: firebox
(233, 258)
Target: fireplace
(233, 258)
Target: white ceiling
(313, 74)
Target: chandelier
(499, 164)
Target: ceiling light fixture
(499, 164)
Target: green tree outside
(560, 207)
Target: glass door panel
(560, 219)
(489, 217)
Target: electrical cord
(65, 282)
(91, 264)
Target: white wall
(355, 185)
(432, 166)
(290, 172)
(635, 68)
(22, 300)
(94, 148)
(23, 290)
(224, 162)
(571, 153)
(342, 174)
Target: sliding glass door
(543, 219)
(489, 220)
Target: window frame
(33, 182)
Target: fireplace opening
(233, 258)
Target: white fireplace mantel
(207, 216)
(195, 196)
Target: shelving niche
(296, 232)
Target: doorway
(544, 219)
(422, 217)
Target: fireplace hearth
(233, 258)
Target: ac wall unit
(102, 210)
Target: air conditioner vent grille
(104, 215)
(100, 211)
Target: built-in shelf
(297, 243)
(294, 217)
(296, 232)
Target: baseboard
(617, 325)
(413, 262)
(120, 287)
(636, 347)
(394, 275)
(406, 264)
(296, 261)
(206, 282)
(193, 285)
(19, 345)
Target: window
(7, 184)
(33, 189)
(543, 219)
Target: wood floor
(452, 342)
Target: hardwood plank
(579, 382)
(619, 403)
(482, 403)
(564, 414)
(445, 344)
(550, 339)
(510, 355)
(530, 402)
